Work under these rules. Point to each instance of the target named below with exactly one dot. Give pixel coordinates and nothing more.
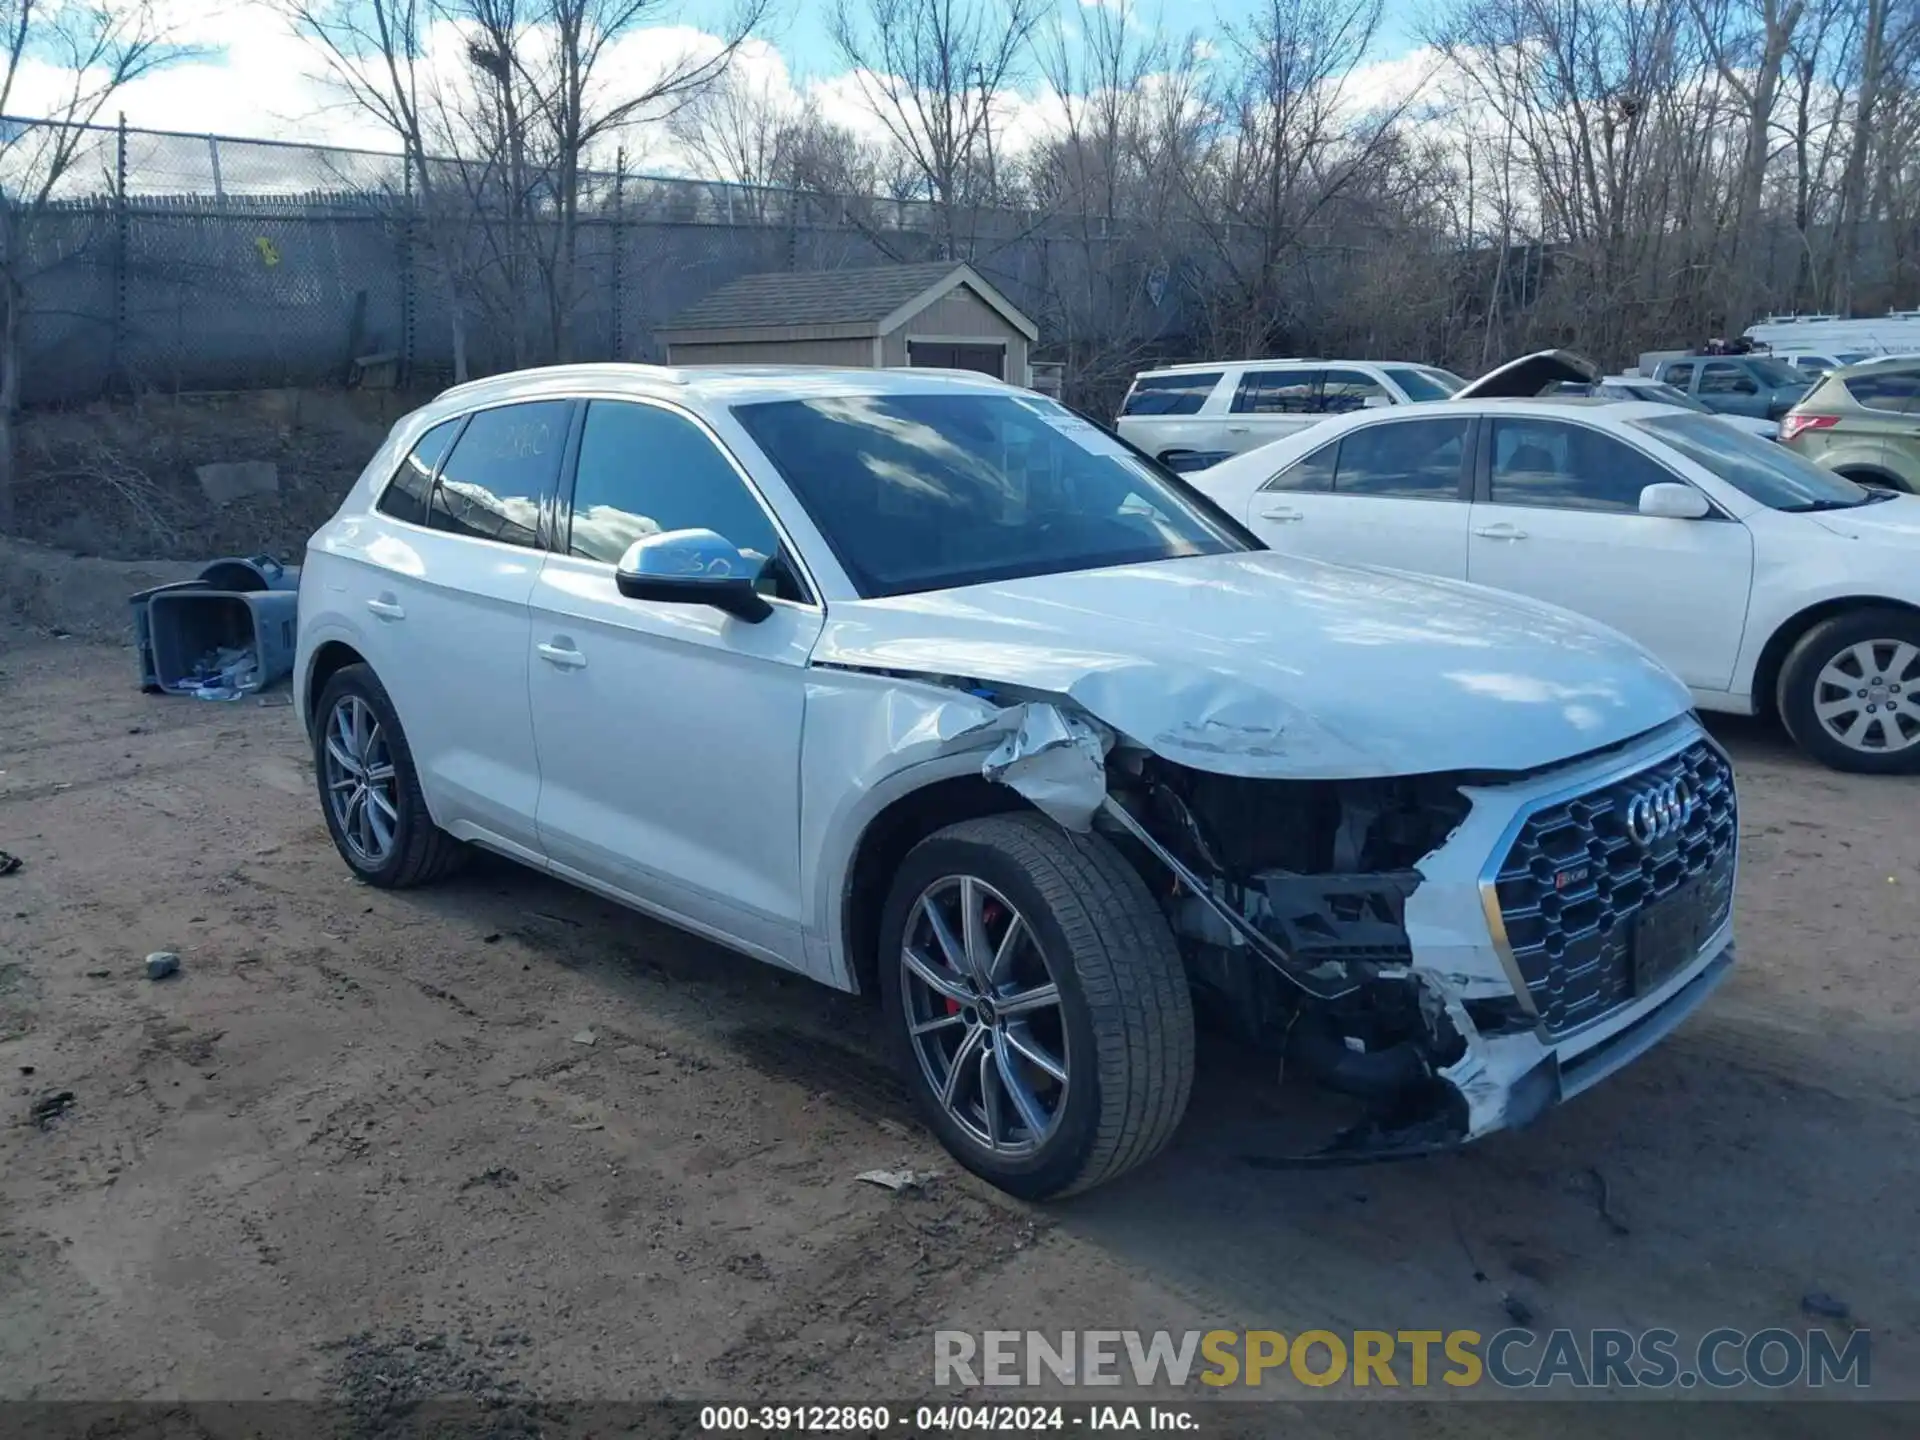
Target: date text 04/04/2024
(941, 1419)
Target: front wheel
(1850, 692)
(370, 790)
(1038, 1002)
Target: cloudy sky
(254, 78)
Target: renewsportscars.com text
(1519, 1359)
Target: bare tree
(742, 129)
(96, 51)
(933, 71)
(374, 51)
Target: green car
(1864, 422)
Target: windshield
(1758, 469)
(1425, 382)
(1776, 372)
(931, 491)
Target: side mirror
(1671, 500)
(692, 567)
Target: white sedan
(1767, 584)
(918, 683)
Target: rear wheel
(1850, 692)
(1038, 1003)
(370, 790)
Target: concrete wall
(773, 352)
(960, 315)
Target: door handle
(1239, 429)
(387, 609)
(1502, 531)
(1281, 513)
(563, 656)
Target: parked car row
(923, 686)
(1768, 584)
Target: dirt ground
(356, 1150)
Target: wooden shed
(940, 314)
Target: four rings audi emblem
(1659, 810)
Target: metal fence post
(619, 254)
(409, 305)
(117, 362)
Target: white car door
(669, 734)
(448, 568)
(1392, 493)
(1556, 516)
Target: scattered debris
(50, 1107)
(161, 964)
(275, 702)
(26, 1069)
(9, 863)
(588, 1125)
(585, 1037)
(1517, 1309)
(898, 1179)
(1818, 1305)
(99, 974)
(493, 939)
(1613, 1222)
(497, 1176)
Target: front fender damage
(1290, 901)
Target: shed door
(937, 355)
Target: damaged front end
(1289, 899)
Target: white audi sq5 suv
(917, 683)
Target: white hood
(1896, 520)
(1266, 665)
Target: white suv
(1192, 416)
(918, 683)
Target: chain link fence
(191, 262)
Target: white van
(1193, 416)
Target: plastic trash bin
(185, 624)
(232, 574)
(250, 572)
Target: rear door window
(1180, 394)
(1342, 391)
(1680, 375)
(502, 473)
(1278, 392)
(1407, 460)
(405, 497)
(1309, 474)
(1899, 394)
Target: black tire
(1799, 689)
(1125, 1006)
(421, 852)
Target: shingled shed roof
(873, 299)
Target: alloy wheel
(983, 1015)
(1868, 696)
(362, 788)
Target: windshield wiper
(1872, 497)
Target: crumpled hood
(1896, 521)
(1267, 665)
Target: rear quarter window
(405, 497)
(1181, 394)
(1897, 393)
